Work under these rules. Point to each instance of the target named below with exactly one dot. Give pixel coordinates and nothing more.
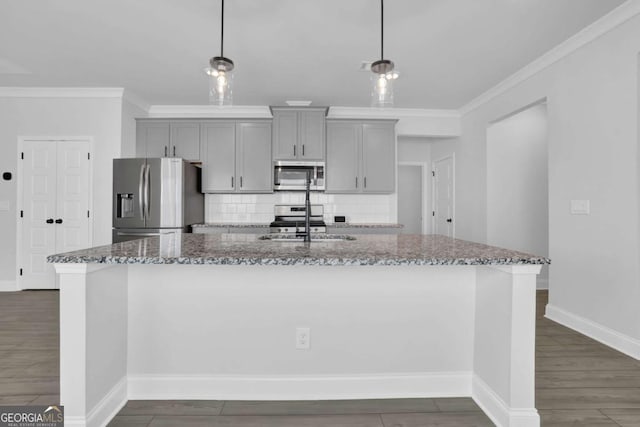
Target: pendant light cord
(222, 32)
(381, 29)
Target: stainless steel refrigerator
(155, 197)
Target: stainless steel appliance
(291, 175)
(155, 196)
(290, 219)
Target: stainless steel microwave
(291, 175)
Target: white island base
(227, 332)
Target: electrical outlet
(303, 338)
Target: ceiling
(448, 51)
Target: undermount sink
(314, 238)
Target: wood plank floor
(579, 382)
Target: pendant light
(383, 73)
(220, 73)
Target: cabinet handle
(294, 150)
(365, 182)
(303, 149)
(49, 221)
(232, 182)
(174, 151)
(240, 182)
(59, 221)
(165, 151)
(356, 182)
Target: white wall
(98, 118)
(517, 184)
(592, 100)
(130, 112)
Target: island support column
(504, 347)
(93, 342)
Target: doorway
(444, 196)
(411, 197)
(54, 196)
(517, 183)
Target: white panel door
(72, 209)
(443, 197)
(55, 206)
(39, 213)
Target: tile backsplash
(258, 208)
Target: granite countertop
(363, 225)
(253, 225)
(249, 249)
(229, 225)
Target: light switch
(4, 206)
(580, 207)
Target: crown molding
(413, 122)
(61, 92)
(608, 22)
(134, 99)
(210, 111)
(388, 113)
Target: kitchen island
(223, 316)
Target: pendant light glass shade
(220, 73)
(382, 73)
(220, 81)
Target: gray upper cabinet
(185, 140)
(361, 156)
(218, 154)
(299, 133)
(236, 157)
(152, 138)
(253, 148)
(378, 158)
(342, 170)
(168, 138)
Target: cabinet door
(311, 126)
(185, 140)
(218, 157)
(254, 157)
(343, 140)
(152, 139)
(285, 134)
(378, 158)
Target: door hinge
(433, 173)
(21, 272)
(88, 156)
(22, 155)
(88, 214)
(21, 214)
(433, 213)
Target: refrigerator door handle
(141, 186)
(147, 191)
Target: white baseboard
(8, 286)
(621, 342)
(105, 410)
(444, 384)
(498, 411)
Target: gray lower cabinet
(236, 157)
(362, 230)
(361, 156)
(299, 133)
(168, 138)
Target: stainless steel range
(289, 219)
